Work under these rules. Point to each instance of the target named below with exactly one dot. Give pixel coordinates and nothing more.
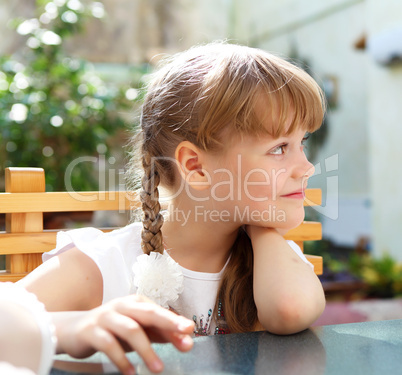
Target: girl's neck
(198, 245)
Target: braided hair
(152, 219)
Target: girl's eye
(305, 138)
(283, 148)
(279, 150)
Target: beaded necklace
(221, 325)
(203, 328)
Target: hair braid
(152, 219)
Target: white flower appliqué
(158, 277)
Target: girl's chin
(281, 226)
(278, 219)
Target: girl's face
(261, 180)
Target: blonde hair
(195, 96)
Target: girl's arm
(72, 281)
(69, 281)
(20, 337)
(124, 324)
(288, 295)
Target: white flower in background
(98, 10)
(56, 121)
(132, 94)
(158, 277)
(28, 26)
(33, 42)
(19, 112)
(21, 81)
(50, 38)
(75, 5)
(69, 17)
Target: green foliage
(383, 275)
(55, 108)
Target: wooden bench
(25, 201)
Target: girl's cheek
(224, 187)
(258, 192)
(268, 186)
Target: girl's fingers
(148, 314)
(182, 342)
(126, 323)
(133, 334)
(104, 341)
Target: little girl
(222, 133)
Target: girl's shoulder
(89, 239)
(114, 253)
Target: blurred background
(71, 74)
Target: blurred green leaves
(383, 275)
(55, 108)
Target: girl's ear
(190, 160)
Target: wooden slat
(22, 180)
(316, 261)
(89, 201)
(13, 277)
(19, 181)
(23, 243)
(313, 197)
(46, 240)
(67, 201)
(306, 231)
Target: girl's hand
(125, 324)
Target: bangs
(283, 105)
(262, 94)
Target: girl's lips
(295, 195)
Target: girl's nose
(310, 169)
(304, 168)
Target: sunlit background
(71, 73)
